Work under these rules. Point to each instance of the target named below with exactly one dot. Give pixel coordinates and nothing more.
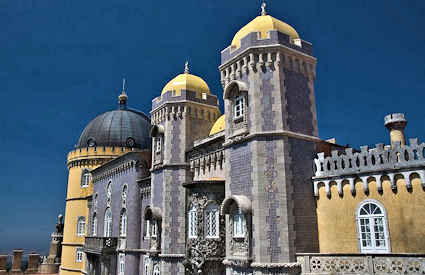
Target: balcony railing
(100, 245)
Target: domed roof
(186, 81)
(263, 24)
(219, 125)
(119, 128)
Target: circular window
(91, 142)
(131, 142)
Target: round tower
(395, 124)
(108, 136)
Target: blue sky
(62, 62)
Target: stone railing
(362, 263)
(377, 162)
(100, 245)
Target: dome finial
(263, 9)
(122, 99)
(186, 67)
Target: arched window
(85, 178)
(109, 189)
(193, 222)
(124, 195)
(121, 264)
(94, 225)
(81, 226)
(107, 225)
(95, 202)
(146, 260)
(211, 220)
(123, 223)
(156, 270)
(372, 227)
(239, 225)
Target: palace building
(188, 190)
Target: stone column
(16, 262)
(33, 263)
(3, 264)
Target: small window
(146, 266)
(94, 225)
(121, 264)
(85, 178)
(372, 228)
(107, 224)
(79, 255)
(212, 222)
(124, 195)
(123, 223)
(204, 96)
(239, 225)
(154, 228)
(239, 107)
(156, 270)
(158, 145)
(193, 222)
(81, 226)
(147, 229)
(95, 203)
(109, 189)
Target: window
(109, 190)
(95, 202)
(121, 264)
(94, 225)
(154, 228)
(239, 107)
(146, 266)
(81, 226)
(124, 195)
(239, 225)
(147, 229)
(193, 223)
(212, 222)
(372, 228)
(85, 178)
(156, 270)
(123, 223)
(157, 145)
(107, 225)
(79, 255)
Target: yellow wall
(76, 204)
(405, 211)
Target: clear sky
(62, 62)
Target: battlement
(377, 159)
(394, 118)
(97, 152)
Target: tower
(271, 133)
(185, 111)
(108, 136)
(395, 124)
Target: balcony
(100, 245)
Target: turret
(395, 124)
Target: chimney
(395, 124)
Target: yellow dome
(219, 125)
(264, 24)
(186, 81)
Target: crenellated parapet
(377, 163)
(275, 57)
(179, 110)
(95, 155)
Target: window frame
(85, 178)
(121, 264)
(211, 213)
(193, 222)
(147, 233)
(371, 227)
(79, 255)
(239, 225)
(107, 223)
(81, 226)
(239, 106)
(94, 225)
(158, 145)
(123, 223)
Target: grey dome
(118, 128)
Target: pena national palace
(188, 190)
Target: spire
(263, 9)
(186, 67)
(122, 99)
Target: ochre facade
(405, 210)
